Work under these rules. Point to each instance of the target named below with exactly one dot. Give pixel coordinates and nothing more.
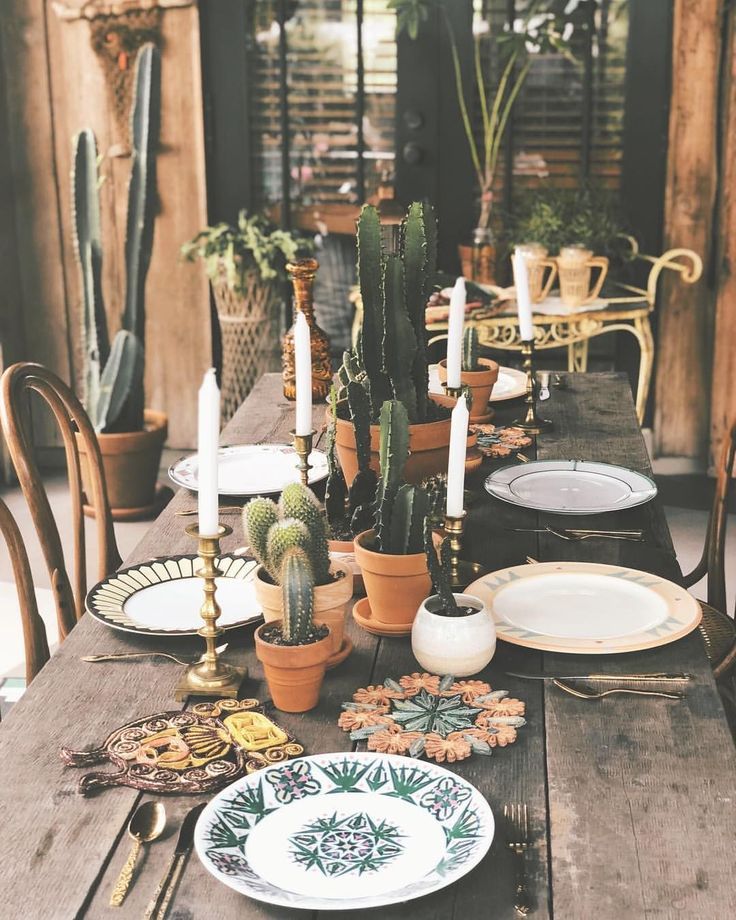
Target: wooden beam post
(684, 349)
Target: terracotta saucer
(473, 460)
(345, 649)
(362, 616)
(483, 419)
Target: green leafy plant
(254, 244)
(113, 374)
(542, 30)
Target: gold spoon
(147, 823)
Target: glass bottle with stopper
(302, 273)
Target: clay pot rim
(465, 600)
(477, 378)
(424, 426)
(260, 571)
(156, 423)
(279, 651)
(390, 560)
(341, 546)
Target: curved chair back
(34, 632)
(73, 423)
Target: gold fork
(517, 838)
(599, 694)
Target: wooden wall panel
(684, 355)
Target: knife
(652, 675)
(159, 904)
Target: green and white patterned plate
(586, 608)
(344, 830)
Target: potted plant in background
(294, 651)
(390, 360)
(540, 32)
(452, 633)
(478, 374)
(246, 265)
(131, 437)
(391, 556)
(298, 521)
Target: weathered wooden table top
(632, 801)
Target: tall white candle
(207, 446)
(523, 300)
(456, 465)
(455, 324)
(303, 363)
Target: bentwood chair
(35, 641)
(717, 628)
(74, 425)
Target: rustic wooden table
(632, 801)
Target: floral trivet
(495, 441)
(442, 718)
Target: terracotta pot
(294, 673)
(342, 552)
(453, 645)
(480, 383)
(330, 601)
(478, 262)
(131, 461)
(429, 446)
(395, 585)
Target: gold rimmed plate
(163, 597)
(586, 608)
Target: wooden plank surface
(632, 805)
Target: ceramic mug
(575, 265)
(537, 264)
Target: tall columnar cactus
(297, 501)
(298, 597)
(408, 514)
(113, 377)
(436, 489)
(394, 451)
(470, 349)
(439, 565)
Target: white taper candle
(456, 464)
(207, 446)
(455, 324)
(303, 366)
(523, 300)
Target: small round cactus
(284, 535)
(298, 501)
(259, 516)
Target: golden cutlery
(631, 534)
(530, 560)
(123, 656)
(517, 840)
(573, 536)
(598, 695)
(159, 904)
(658, 676)
(522, 458)
(148, 823)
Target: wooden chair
(73, 422)
(717, 628)
(34, 632)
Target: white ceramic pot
(453, 645)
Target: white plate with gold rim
(511, 384)
(586, 608)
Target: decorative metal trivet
(441, 718)
(495, 441)
(197, 750)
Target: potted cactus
(391, 555)
(131, 438)
(271, 530)
(478, 374)
(390, 360)
(452, 633)
(294, 651)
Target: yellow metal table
(627, 310)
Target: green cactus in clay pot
(439, 565)
(471, 350)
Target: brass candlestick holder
(453, 392)
(303, 448)
(211, 676)
(462, 573)
(531, 423)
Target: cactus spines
(283, 536)
(360, 414)
(298, 501)
(370, 279)
(439, 565)
(336, 490)
(436, 489)
(394, 450)
(408, 513)
(399, 341)
(298, 597)
(470, 349)
(416, 236)
(259, 516)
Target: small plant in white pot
(452, 633)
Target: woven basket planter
(250, 336)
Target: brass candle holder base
(303, 448)
(452, 392)
(211, 676)
(531, 423)
(462, 573)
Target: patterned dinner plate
(250, 469)
(586, 608)
(339, 831)
(163, 597)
